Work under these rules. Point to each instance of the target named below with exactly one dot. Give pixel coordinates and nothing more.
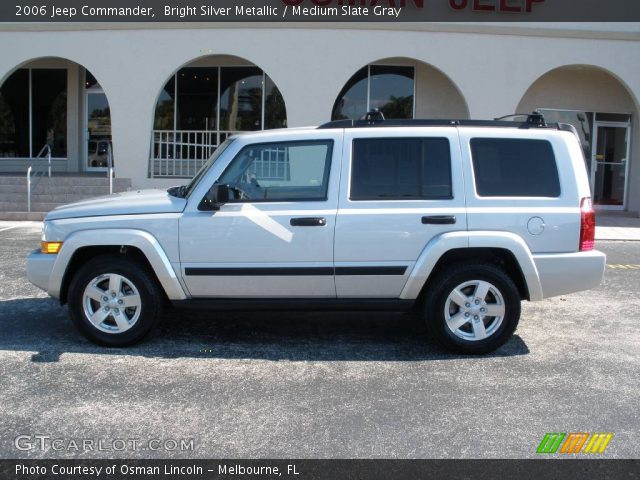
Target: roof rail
(376, 119)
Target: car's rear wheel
(472, 308)
(114, 301)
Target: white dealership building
(163, 96)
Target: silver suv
(459, 220)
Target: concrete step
(20, 216)
(5, 189)
(21, 206)
(6, 180)
(80, 181)
(52, 190)
(58, 198)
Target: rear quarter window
(506, 167)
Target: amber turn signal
(50, 247)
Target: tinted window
(286, 171)
(14, 115)
(401, 169)
(514, 168)
(49, 110)
(391, 91)
(387, 88)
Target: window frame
(451, 196)
(515, 197)
(330, 144)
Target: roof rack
(375, 118)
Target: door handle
(308, 222)
(439, 220)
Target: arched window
(33, 112)
(199, 107)
(387, 88)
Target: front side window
(401, 169)
(283, 171)
(507, 167)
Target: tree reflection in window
(387, 88)
(224, 99)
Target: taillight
(587, 225)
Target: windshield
(212, 159)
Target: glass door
(98, 131)
(610, 165)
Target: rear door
(400, 189)
(525, 181)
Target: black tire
(140, 319)
(503, 296)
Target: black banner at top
(319, 11)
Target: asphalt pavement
(316, 385)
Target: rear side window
(401, 169)
(505, 167)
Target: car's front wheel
(472, 308)
(114, 301)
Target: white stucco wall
(590, 89)
(485, 71)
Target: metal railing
(35, 175)
(273, 164)
(181, 153)
(110, 167)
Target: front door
(274, 238)
(610, 165)
(98, 131)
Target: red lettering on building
(529, 5)
(458, 4)
(505, 7)
(481, 7)
(501, 6)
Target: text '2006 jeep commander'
(460, 220)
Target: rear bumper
(39, 268)
(565, 273)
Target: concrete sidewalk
(617, 227)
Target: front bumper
(565, 273)
(39, 268)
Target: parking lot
(316, 385)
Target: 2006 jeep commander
(459, 219)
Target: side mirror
(217, 196)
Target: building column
(131, 120)
(74, 119)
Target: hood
(126, 203)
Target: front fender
(441, 244)
(139, 239)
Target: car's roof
(477, 127)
